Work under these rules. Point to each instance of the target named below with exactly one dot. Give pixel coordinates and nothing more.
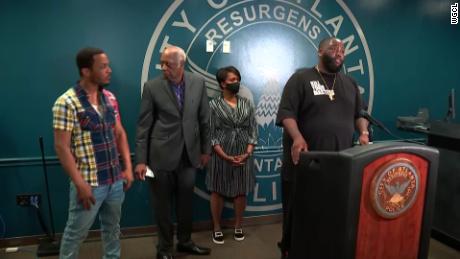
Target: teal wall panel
(412, 45)
(414, 49)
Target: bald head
(328, 42)
(331, 55)
(172, 62)
(177, 53)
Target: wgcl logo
(454, 14)
(269, 41)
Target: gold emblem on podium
(394, 188)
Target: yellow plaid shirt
(65, 111)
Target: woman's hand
(240, 159)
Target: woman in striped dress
(233, 136)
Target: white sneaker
(239, 234)
(218, 237)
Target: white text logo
(454, 14)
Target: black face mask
(234, 87)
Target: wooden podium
(446, 219)
(372, 201)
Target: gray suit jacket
(163, 132)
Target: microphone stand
(381, 126)
(48, 246)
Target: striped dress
(233, 129)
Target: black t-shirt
(325, 125)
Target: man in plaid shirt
(89, 139)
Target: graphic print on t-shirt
(318, 88)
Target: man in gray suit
(172, 139)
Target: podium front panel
(392, 230)
(373, 201)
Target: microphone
(372, 120)
(377, 123)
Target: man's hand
(85, 195)
(364, 138)
(128, 176)
(204, 159)
(298, 146)
(362, 125)
(140, 171)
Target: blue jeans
(109, 199)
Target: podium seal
(394, 188)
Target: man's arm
(299, 144)
(123, 149)
(62, 140)
(362, 126)
(144, 124)
(292, 98)
(203, 117)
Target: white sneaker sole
(218, 242)
(238, 238)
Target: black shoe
(193, 249)
(218, 237)
(284, 254)
(164, 256)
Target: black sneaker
(218, 237)
(239, 234)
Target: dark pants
(169, 186)
(286, 190)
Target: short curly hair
(85, 57)
(222, 73)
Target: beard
(101, 83)
(329, 64)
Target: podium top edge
(386, 147)
(390, 147)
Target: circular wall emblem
(394, 188)
(267, 41)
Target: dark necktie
(179, 91)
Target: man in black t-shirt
(319, 110)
